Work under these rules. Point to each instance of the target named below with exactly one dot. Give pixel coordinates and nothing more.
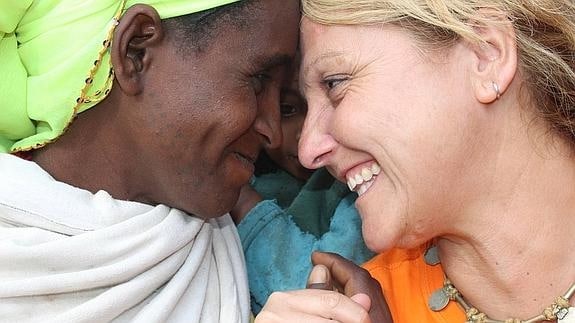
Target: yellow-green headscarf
(48, 48)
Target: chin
(380, 239)
(374, 240)
(209, 211)
(218, 211)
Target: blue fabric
(311, 203)
(278, 185)
(278, 252)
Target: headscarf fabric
(54, 61)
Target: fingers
(319, 278)
(312, 305)
(363, 300)
(351, 278)
(268, 317)
(356, 283)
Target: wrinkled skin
(182, 128)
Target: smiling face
(293, 109)
(387, 120)
(205, 115)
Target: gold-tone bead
(548, 313)
(471, 311)
(562, 302)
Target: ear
(138, 31)
(495, 61)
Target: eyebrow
(320, 58)
(305, 71)
(277, 60)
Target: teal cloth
(314, 206)
(278, 253)
(278, 238)
(311, 204)
(278, 185)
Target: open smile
(360, 180)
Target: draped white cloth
(67, 255)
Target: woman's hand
(353, 281)
(312, 306)
(338, 291)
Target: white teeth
(351, 184)
(366, 174)
(358, 179)
(375, 169)
(363, 180)
(363, 188)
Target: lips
(248, 159)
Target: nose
(316, 145)
(267, 124)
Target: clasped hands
(337, 291)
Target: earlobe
(138, 32)
(496, 59)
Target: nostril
(320, 160)
(312, 156)
(269, 131)
(274, 140)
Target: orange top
(407, 282)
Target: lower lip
(245, 164)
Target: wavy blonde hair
(545, 35)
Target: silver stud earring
(496, 89)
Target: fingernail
(318, 275)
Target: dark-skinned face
(206, 115)
(293, 109)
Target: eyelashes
(259, 82)
(331, 82)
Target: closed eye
(259, 82)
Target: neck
(511, 250)
(89, 154)
(517, 253)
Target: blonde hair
(545, 35)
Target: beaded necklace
(560, 310)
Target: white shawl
(67, 255)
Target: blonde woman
(454, 122)
(127, 130)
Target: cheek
(357, 122)
(289, 136)
(242, 114)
